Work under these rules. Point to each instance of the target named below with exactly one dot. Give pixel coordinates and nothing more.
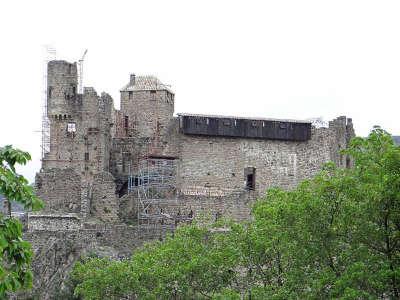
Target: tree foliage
(16, 254)
(336, 235)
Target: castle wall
(53, 222)
(60, 189)
(55, 252)
(104, 205)
(220, 163)
(236, 206)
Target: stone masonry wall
(104, 205)
(60, 189)
(87, 148)
(53, 222)
(61, 87)
(144, 108)
(209, 204)
(213, 162)
(55, 252)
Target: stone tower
(147, 107)
(80, 124)
(63, 107)
(80, 139)
(62, 82)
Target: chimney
(132, 80)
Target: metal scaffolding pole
(50, 54)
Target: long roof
(244, 118)
(146, 83)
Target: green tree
(191, 264)
(16, 254)
(336, 235)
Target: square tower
(147, 107)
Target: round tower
(63, 105)
(62, 84)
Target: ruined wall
(95, 130)
(53, 222)
(209, 204)
(55, 252)
(104, 205)
(80, 124)
(127, 151)
(80, 140)
(60, 189)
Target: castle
(112, 179)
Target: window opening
(126, 124)
(250, 178)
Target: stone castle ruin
(112, 179)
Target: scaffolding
(80, 73)
(155, 188)
(153, 180)
(50, 54)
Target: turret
(62, 85)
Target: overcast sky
(280, 59)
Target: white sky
(282, 59)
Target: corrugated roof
(396, 139)
(146, 83)
(244, 118)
